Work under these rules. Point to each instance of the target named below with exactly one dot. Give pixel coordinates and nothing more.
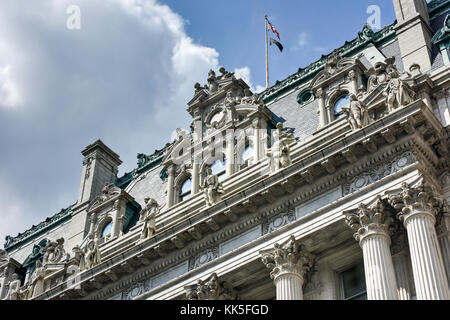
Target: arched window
(185, 190)
(106, 232)
(218, 168)
(305, 96)
(342, 102)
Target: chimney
(413, 33)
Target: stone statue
(80, 257)
(147, 216)
(212, 81)
(4, 258)
(92, 253)
(225, 74)
(357, 113)
(54, 252)
(279, 154)
(398, 92)
(13, 290)
(247, 98)
(257, 100)
(37, 280)
(212, 188)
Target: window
(185, 191)
(354, 283)
(305, 96)
(340, 103)
(218, 168)
(106, 232)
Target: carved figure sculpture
(212, 188)
(13, 290)
(4, 258)
(37, 281)
(279, 154)
(212, 81)
(225, 73)
(357, 113)
(398, 92)
(92, 253)
(147, 216)
(247, 98)
(80, 257)
(54, 252)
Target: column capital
(211, 288)
(370, 220)
(418, 198)
(289, 257)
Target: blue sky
(126, 75)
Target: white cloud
(302, 40)
(125, 77)
(244, 73)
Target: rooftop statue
(398, 92)
(212, 188)
(54, 252)
(92, 253)
(13, 290)
(147, 217)
(212, 81)
(357, 113)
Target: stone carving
(36, 284)
(247, 98)
(420, 196)
(378, 74)
(374, 174)
(54, 252)
(203, 257)
(398, 92)
(212, 188)
(279, 154)
(212, 81)
(91, 252)
(225, 74)
(357, 113)
(288, 257)
(370, 220)
(13, 289)
(108, 191)
(80, 257)
(211, 289)
(278, 221)
(147, 217)
(4, 258)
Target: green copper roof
(35, 231)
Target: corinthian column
(288, 262)
(372, 233)
(417, 207)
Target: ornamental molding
(371, 219)
(211, 288)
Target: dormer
(334, 85)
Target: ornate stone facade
(264, 199)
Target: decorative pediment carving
(54, 252)
(109, 192)
(333, 66)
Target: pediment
(334, 68)
(109, 194)
(374, 96)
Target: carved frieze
(211, 289)
(376, 173)
(278, 221)
(203, 257)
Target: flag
(279, 45)
(274, 30)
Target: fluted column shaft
(230, 161)
(427, 264)
(372, 225)
(381, 283)
(402, 266)
(289, 286)
(256, 141)
(443, 232)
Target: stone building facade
(332, 184)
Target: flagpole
(267, 56)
